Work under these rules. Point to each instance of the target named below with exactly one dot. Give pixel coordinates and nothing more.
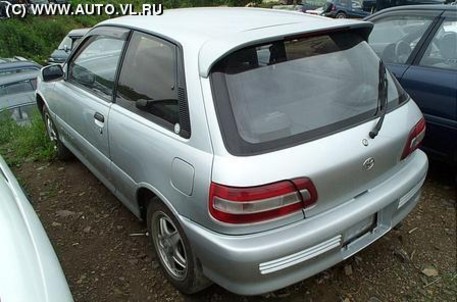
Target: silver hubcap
(50, 128)
(170, 246)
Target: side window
(148, 79)
(23, 86)
(94, 67)
(442, 50)
(394, 39)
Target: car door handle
(99, 117)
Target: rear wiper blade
(382, 99)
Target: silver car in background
(69, 42)
(30, 270)
(17, 96)
(260, 146)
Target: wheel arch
(146, 194)
(41, 103)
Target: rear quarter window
(149, 77)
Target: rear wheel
(62, 152)
(173, 250)
(340, 15)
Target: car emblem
(365, 142)
(369, 163)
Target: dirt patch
(107, 257)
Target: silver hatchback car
(260, 146)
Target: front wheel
(173, 250)
(62, 152)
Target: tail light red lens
(238, 205)
(333, 7)
(415, 138)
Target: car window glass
(266, 95)
(18, 87)
(75, 42)
(442, 50)
(95, 66)
(394, 39)
(356, 5)
(147, 81)
(66, 42)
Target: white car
(29, 268)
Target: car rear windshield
(297, 89)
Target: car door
(432, 83)
(396, 36)
(149, 125)
(85, 97)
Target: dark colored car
(419, 46)
(377, 5)
(68, 43)
(16, 65)
(344, 9)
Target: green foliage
(18, 143)
(36, 37)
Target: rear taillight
(255, 204)
(414, 139)
(333, 7)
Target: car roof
(16, 62)
(79, 32)
(212, 32)
(18, 77)
(13, 59)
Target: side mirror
(52, 72)
(143, 104)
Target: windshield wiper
(382, 99)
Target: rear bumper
(267, 261)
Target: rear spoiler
(213, 50)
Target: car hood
(29, 270)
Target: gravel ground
(107, 257)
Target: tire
(340, 15)
(173, 250)
(62, 152)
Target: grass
(36, 37)
(24, 143)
